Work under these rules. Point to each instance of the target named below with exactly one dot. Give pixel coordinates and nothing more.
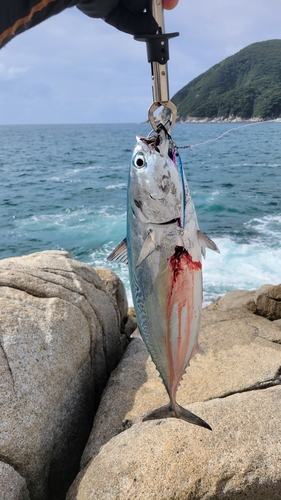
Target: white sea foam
(213, 196)
(240, 267)
(267, 226)
(99, 259)
(117, 186)
(107, 211)
(57, 218)
(75, 171)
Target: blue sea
(65, 187)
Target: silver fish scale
(142, 317)
(147, 332)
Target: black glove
(125, 15)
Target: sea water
(65, 187)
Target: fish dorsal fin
(148, 247)
(205, 241)
(120, 253)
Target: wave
(245, 266)
(255, 164)
(75, 171)
(98, 258)
(265, 230)
(121, 185)
(268, 226)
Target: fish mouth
(168, 222)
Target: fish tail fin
(186, 415)
(179, 412)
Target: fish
(164, 248)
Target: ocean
(65, 187)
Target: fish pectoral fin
(205, 241)
(147, 249)
(203, 250)
(179, 412)
(120, 253)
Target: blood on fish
(180, 257)
(180, 292)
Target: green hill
(245, 85)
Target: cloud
(12, 72)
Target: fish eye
(139, 160)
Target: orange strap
(10, 32)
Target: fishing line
(227, 132)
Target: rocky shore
(74, 390)
(219, 119)
(223, 119)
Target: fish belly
(167, 294)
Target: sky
(74, 69)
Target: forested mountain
(245, 85)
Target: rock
(115, 287)
(267, 302)
(132, 313)
(60, 339)
(229, 387)
(240, 459)
(222, 329)
(277, 323)
(125, 382)
(232, 300)
(12, 485)
(131, 323)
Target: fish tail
(178, 411)
(186, 415)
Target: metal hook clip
(156, 105)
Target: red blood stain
(181, 257)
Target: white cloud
(12, 72)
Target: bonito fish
(163, 249)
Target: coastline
(229, 119)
